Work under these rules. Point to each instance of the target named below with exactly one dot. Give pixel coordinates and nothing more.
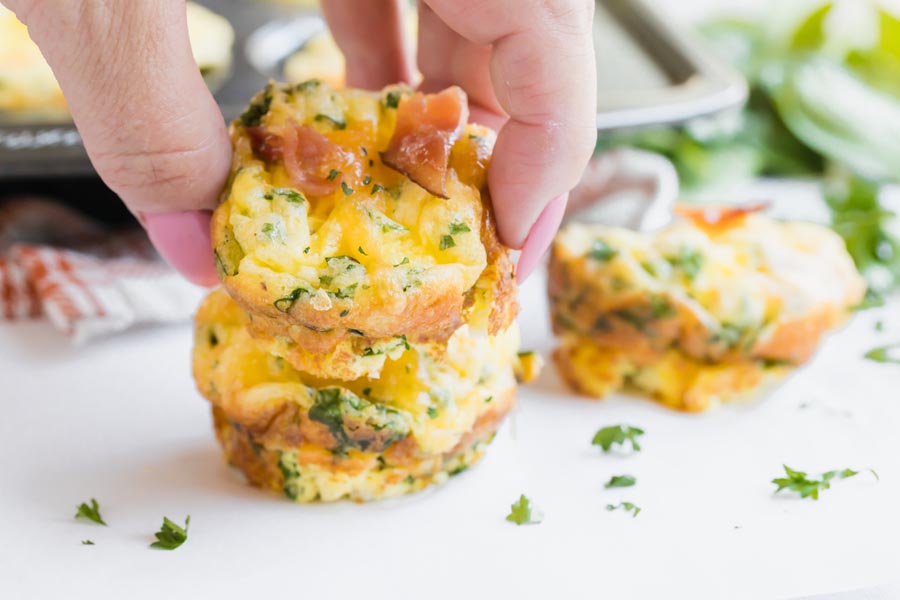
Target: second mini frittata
(708, 309)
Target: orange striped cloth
(84, 278)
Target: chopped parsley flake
(885, 354)
(620, 481)
(171, 535)
(459, 228)
(632, 319)
(403, 262)
(361, 251)
(728, 334)
(798, 481)
(332, 174)
(523, 513)
(285, 304)
(269, 230)
(357, 332)
(377, 188)
(457, 470)
(617, 434)
(660, 307)
(256, 111)
(347, 292)
(389, 225)
(292, 196)
(432, 412)
(601, 251)
(306, 250)
(337, 123)
(367, 180)
(392, 99)
(626, 506)
(689, 261)
(307, 85)
(91, 512)
(346, 188)
(447, 242)
(87, 543)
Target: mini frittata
(28, 85)
(352, 218)
(703, 311)
(422, 417)
(363, 345)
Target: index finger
(544, 76)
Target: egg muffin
(423, 417)
(352, 218)
(707, 309)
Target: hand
(156, 137)
(149, 124)
(528, 68)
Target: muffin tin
(649, 73)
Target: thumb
(150, 125)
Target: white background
(119, 420)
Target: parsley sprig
(800, 482)
(618, 435)
(91, 512)
(885, 354)
(620, 481)
(523, 513)
(171, 535)
(447, 241)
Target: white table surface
(119, 420)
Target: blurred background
(700, 101)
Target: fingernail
(182, 239)
(540, 237)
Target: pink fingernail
(182, 239)
(540, 237)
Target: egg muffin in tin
(423, 417)
(707, 309)
(352, 218)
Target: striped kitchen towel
(86, 279)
